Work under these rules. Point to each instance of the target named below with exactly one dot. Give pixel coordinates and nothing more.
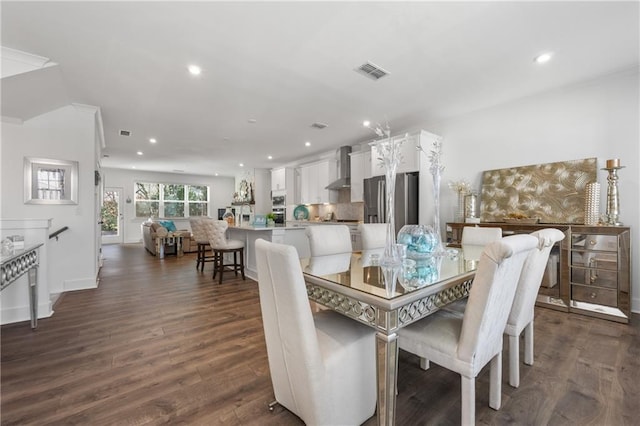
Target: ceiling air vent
(125, 133)
(372, 71)
(319, 125)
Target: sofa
(151, 229)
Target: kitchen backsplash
(344, 209)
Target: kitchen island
(291, 235)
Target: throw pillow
(171, 227)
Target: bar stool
(200, 235)
(216, 233)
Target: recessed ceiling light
(543, 58)
(139, 152)
(216, 174)
(133, 167)
(307, 144)
(270, 157)
(153, 140)
(194, 69)
(252, 120)
(366, 123)
(241, 165)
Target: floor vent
(372, 71)
(125, 133)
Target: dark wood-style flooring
(160, 343)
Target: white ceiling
(290, 64)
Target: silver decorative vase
(389, 155)
(436, 170)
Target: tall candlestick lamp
(613, 203)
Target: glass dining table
(353, 285)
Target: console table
(15, 265)
(590, 268)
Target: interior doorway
(112, 217)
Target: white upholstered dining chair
(521, 315)
(479, 236)
(466, 343)
(374, 235)
(328, 239)
(322, 365)
(329, 264)
(374, 238)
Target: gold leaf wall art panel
(551, 192)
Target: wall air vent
(125, 133)
(372, 71)
(319, 125)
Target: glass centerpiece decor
(419, 269)
(436, 169)
(388, 150)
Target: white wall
(67, 133)
(221, 191)
(599, 118)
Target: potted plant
(271, 219)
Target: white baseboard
(79, 284)
(21, 313)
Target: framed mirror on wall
(48, 181)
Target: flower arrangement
(460, 186)
(435, 157)
(388, 150)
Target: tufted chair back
(216, 233)
(197, 229)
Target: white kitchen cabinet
(307, 181)
(360, 170)
(409, 154)
(282, 179)
(313, 180)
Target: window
(51, 184)
(198, 200)
(171, 200)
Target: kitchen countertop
(263, 228)
(321, 222)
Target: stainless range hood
(344, 169)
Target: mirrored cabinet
(599, 271)
(589, 272)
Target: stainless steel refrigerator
(405, 200)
